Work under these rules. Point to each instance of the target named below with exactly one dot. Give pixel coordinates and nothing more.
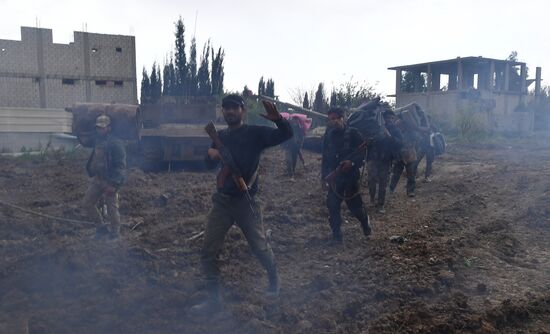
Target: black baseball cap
(232, 101)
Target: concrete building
(39, 79)
(495, 89)
(37, 73)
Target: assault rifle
(229, 165)
(331, 177)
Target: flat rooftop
(450, 64)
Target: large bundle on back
(368, 119)
(125, 120)
(303, 120)
(413, 115)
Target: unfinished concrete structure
(496, 89)
(37, 73)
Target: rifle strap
(253, 178)
(347, 197)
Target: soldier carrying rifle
(343, 155)
(238, 148)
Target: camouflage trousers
(226, 211)
(95, 192)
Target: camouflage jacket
(115, 161)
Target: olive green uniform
(106, 167)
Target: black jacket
(340, 145)
(115, 163)
(246, 145)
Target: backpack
(368, 120)
(413, 115)
(437, 141)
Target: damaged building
(40, 78)
(495, 89)
(37, 73)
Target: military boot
(336, 239)
(212, 304)
(365, 225)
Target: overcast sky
(303, 42)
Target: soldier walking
(106, 167)
(231, 205)
(293, 146)
(342, 153)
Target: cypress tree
(168, 76)
(261, 86)
(145, 92)
(181, 61)
(203, 75)
(155, 84)
(270, 88)
(193, 84)
(217, 72)
(305, 104)
(320, 103)
(166, 80)
(333, 99)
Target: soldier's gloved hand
(110, 190)
(346, 165)
(272, 113)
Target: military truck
(170, 133)
(173, 132)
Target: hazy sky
(301, 43)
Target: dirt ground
(476, 256)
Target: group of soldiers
(399, 146)
(235, 203)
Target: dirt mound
(472, 256)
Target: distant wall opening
(68, 81)
(444, 82)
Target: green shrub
(471, 125)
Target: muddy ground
(475, 260)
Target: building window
(101, 82)
(68, 81)
(119, 83)
(94, 50)
(118, 49)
